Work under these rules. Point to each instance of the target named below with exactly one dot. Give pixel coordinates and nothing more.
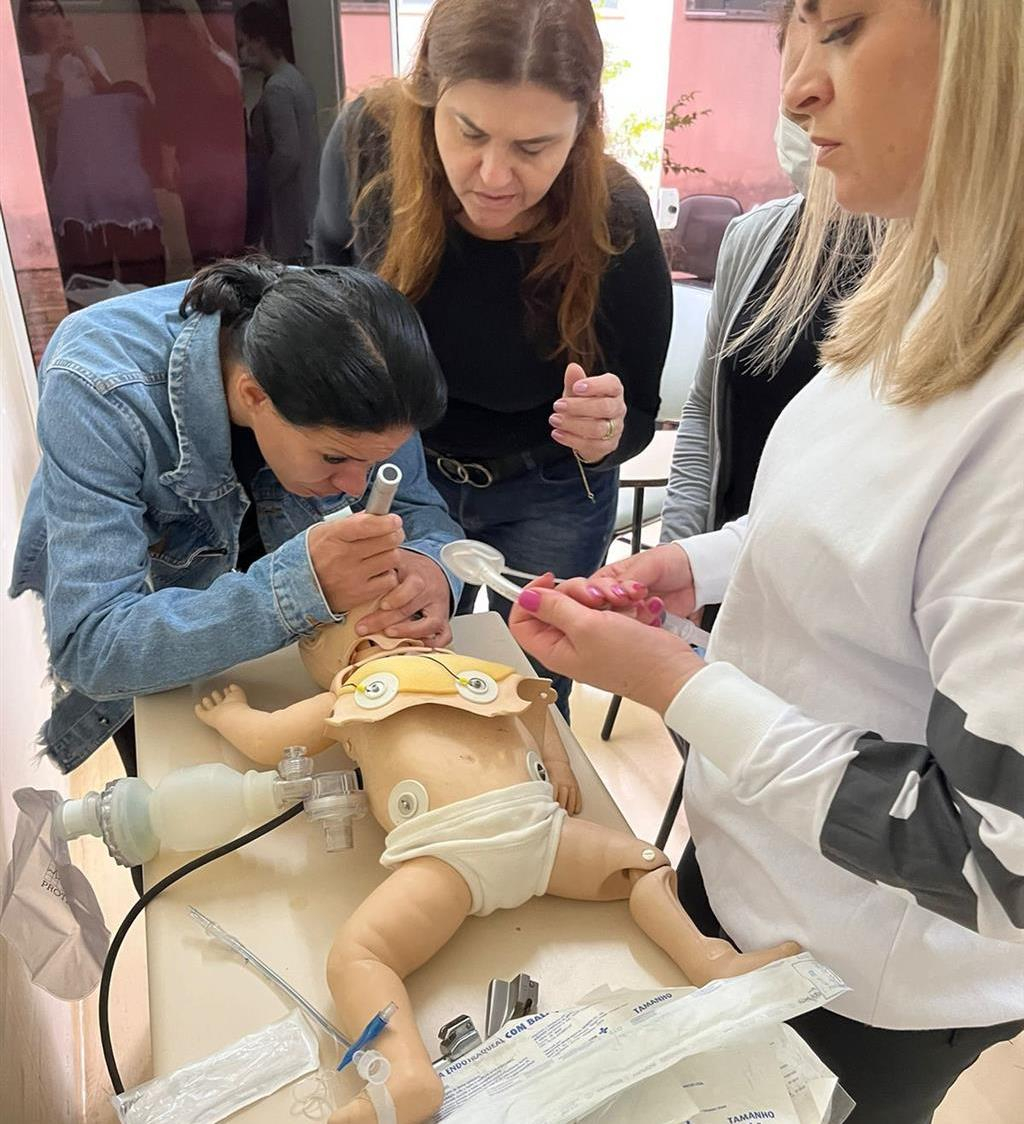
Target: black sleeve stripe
(925, 852)
(1007, 887)
(975, 766)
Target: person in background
(856, 773)
(98, 152)
(779, 281)
(284, 134)
(194, 436)
(478, 185)
(200, 116)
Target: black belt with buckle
(482, 472)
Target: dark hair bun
(231, 287)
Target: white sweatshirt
(857, 776)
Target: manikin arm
(539, 722)
(264, 735)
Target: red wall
(21, 183)
(366, 48)
(734, 67)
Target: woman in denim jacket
(193, 438)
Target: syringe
(226, 939)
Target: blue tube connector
(378, 1023)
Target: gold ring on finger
(609, 432)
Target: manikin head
(332, 648)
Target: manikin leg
(595, 863)
(401, 925)
(263, 735)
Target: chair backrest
(690, 303)
(694, 243)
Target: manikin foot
(214, 709)
(416, 1095)
(656, 909)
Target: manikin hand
(589, 416)
(609, 650)
(356, 559)
(422, 588)
(567, 789)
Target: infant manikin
(464, 769)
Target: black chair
(692, 247)
(676, 799)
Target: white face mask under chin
(795, 152)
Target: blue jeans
(540, 520)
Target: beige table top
(284, 896)
(652, 466)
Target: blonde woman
(782, 269)
(478, 186)
(856, 780)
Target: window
(731, 9)
(153, 135)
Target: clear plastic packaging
(214, 1087)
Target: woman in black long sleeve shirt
(479, 187)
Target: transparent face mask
(48, 911)
(795, 152)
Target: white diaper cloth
(502, 843)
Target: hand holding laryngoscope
(355, 555)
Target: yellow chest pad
(434, 674)
(432, 677)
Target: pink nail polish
(618, 591)
(637, 587)
(655, 605)
(529, 599)
(595, 592)
(580, 387)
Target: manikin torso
(453, 746)
(417, 744)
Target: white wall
(37, 1032)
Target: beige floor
(638, 766)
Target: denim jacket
(130, 531)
